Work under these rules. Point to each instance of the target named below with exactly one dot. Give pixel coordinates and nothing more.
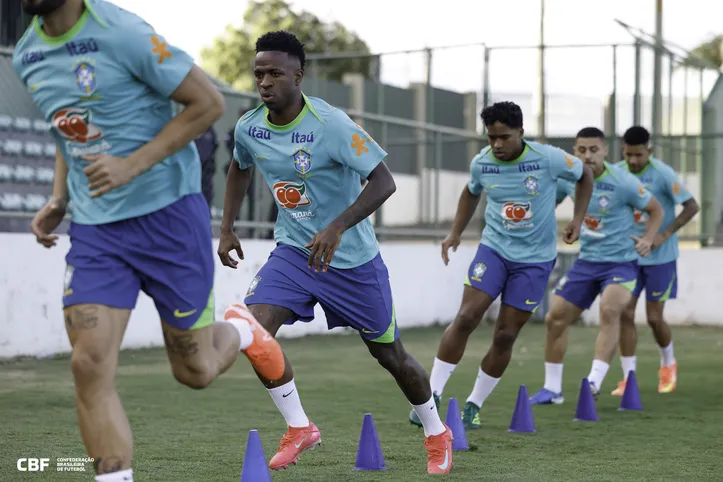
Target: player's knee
(91, 365)
(655, 321)
(555, 323)
(198, 375)
(627, 317)
(466, 321)
(504, 339)
(390, 356)
(610, 314)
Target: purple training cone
(522, 419)
(369, 456)
(255, 468)
(631, 395)
(585, 411)
(454, 422)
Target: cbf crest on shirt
(105, 87)
(605, 234)
(313, 167)
(520, 213)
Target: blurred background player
(606, 265)
(133, 176)
(518, 248)
(312, 156)
(658, 273)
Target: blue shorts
(522, 285)
(660, 282)
(587, 279)
(360, 298)
(168, 254)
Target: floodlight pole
(658, 71)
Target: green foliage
(710, 51)
(231, 56)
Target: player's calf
(95, 334)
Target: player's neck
(598, 171)
(288, 115)
(64, 18)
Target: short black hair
(507, 113)
(590, 133)
(636, 136)
(282, 41)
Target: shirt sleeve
(675, 188)
(149, 57)
(475, 176)
(351, 145)
(564, 189)
(637, 196)
(563, 165)
(240, 153)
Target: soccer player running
(606, 265)
(518, 248)
(313, 157)
(106, 80)
(657, 273)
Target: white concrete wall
(425, 291)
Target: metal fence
(430, 156)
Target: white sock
(483, 386)
(122, 476)
(597, 372)
(286, 398)
(427, 413)
(441, 371)
(629, 364)
(244, 331)
(666, 356)
(553, 377)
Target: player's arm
(354, 148)
(642, 200)
(569, 168)
(203, 105)
(682, 196)
(172, 73)
(60, 180)
(238, 180)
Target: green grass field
(183, 435)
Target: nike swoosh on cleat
(445, 464)
(300, 443)
(286, 395)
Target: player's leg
(172, 252)
(573, 294)
(629, 335)
(371, 312)
(663, 286)
(484, 282)
(524, 289)
(617, 288)
(100, 291)
(279, 295)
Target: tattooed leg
(95, 333)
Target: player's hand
(106, 172)
(46, 221)
(451, 241)
(323, 246)
(642, 245)
(229, 242)
(571, 232)
(658, 241)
